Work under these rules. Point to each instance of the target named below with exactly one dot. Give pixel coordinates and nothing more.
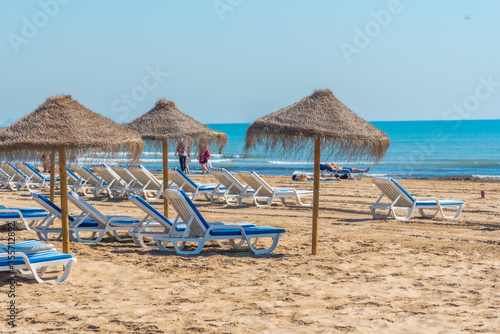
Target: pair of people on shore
(184, 152)
(303, 177)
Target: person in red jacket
(203, 156)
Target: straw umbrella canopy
(63, 125)
(165, 122)
(320, 118)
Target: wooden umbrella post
(64, 200)
(315, 224)
(165, 175)
(52, 175)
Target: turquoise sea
(469, 148)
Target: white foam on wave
(290, 163)
(492, 177)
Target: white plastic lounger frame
(155, 224)
(263, 191)
(35, 264)
(4, 178)
(91, 181)
(113, 182)
(107, 224)
(189, 186)
(198, 231)
(402, 200)
(44, 229)
(233, 187)
(153, 188)
(17, 178)
(23, 218)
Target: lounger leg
(457, 213)
(264, 251)
(115, 233)
(91, 239)
(432, 215)
(408, 216)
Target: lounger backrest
(392, 189)
(87, 175)
(186, 210)
(145, 177)
(29, 173)
(39, 177)
(13, 171)
(124, 174)
(49, 205)
(227, 180)
(108, 175)
(4, 175)
(180, 178)
(150, 210)
(255, 181)
(72, 177)
(87, 208)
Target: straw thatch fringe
(63, 123)
(342, 133)
(165, 121)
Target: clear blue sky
(224, 61)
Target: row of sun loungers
(22, 176)
(155, 231)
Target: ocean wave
(492, 177)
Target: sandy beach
(370, 276)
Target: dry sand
(371, 276)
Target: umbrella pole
(165, 176)
(315, 225)
(52, 175)
(64, 200)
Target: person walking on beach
(203, 156)
(184, 154)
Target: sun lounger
(199, 231)
(263, 191)
(34, 178)
(115, 186)
(27, 246)
(45, 228)
(231, 188)
(134, 186)
(77, 183)
(401, 199)
(35, 264)
(23, 218)
(189, 186)
(92, 181)
(154, 224)
(106, 224)
(152, 187)
(330, 172)
(17, 178)
(4, 179)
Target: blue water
(418, 149)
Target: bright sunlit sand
(370, 276)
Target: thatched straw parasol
(64, 125)
(324, 120)
(165, 122)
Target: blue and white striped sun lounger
(27, 246)
(229, 188)
(92, 181)
(199, 231)
(152, 187)
(189, 186)
(44, 229)
(106, 224)
(401, 199)
(329, 172)
(263, 191)
(23, 218)
(35, 264)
